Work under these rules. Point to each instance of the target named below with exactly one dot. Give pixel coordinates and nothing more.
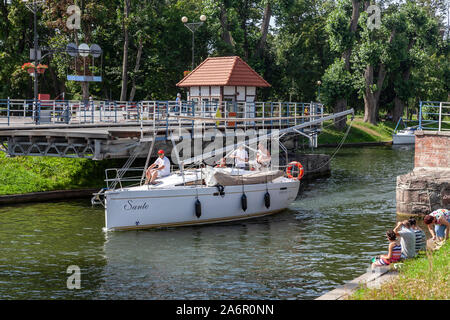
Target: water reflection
(225, 261)
(39, 241)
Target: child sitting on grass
(394, 252)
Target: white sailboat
(174, 202)
(203, 195)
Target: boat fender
(267, 199)
(244, 202)
(198, 208)
(300, 170)
(221, 189)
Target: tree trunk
(399, 107)
(243, 16)
(369, 97)
(85, 88)
(381, 76)
(372, 98)
(226, 35)
(399, 104)
(341, 104)
(264, 30)
(136, 69)
(126, 13)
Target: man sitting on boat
(160, 168)
(240, 156)
(262, 158)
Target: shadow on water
(324, 239)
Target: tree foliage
(292, 43)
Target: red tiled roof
(223, 71)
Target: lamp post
(34, 7)
(192, 26)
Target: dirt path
(368, 130)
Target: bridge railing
(434, 115)
(159, 114)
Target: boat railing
(121, 177)
(131, 177)
(127, 177)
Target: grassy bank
(360, 131)
(423, 278)
(20, 175)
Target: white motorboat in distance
(174, 202)
(405, 136)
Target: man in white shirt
(240, 157)
(160, 168)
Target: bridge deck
(102, 129)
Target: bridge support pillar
(427, 187)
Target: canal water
(324, 239)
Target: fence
(161, 115)
(433, 115)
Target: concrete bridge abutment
(427, 187)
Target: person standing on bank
(407, 239)
(160, 168)
(440, 220)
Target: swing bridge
(109, 130)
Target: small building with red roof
(220, 79)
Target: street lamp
(33, 6)
(192, 26)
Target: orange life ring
(300, 170)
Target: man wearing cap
(160, 168)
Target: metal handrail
(434, 109)
(158, 114)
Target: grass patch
(19, 175)
(360, 132)
(424, 278)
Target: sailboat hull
(140, 208)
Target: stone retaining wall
(423, 191)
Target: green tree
(342, 29)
